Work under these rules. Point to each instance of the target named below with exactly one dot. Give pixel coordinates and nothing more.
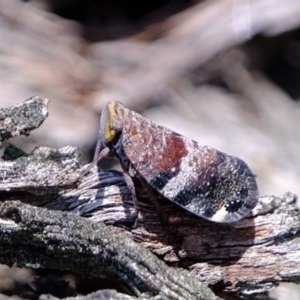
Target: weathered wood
(38, 238)
(249, 256)
(23, 118)
(46, 168)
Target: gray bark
(252, 255)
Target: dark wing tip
(242, 196)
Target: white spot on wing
(220, 215)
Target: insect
(200, 179)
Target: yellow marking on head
(111, 116)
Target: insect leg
(131, 188)
(97, 157)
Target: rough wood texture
(249, 256)
(38, 238)
(23, 118)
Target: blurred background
(225, 73)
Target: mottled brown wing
(202, 180)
